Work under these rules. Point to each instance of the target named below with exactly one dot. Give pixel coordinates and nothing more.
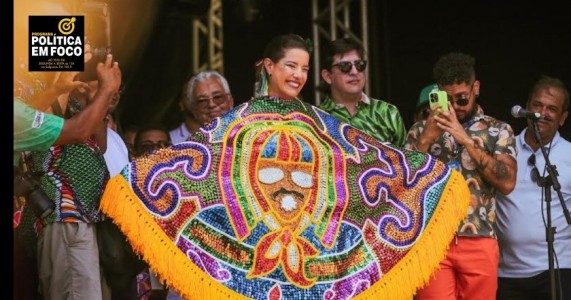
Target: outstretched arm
(82, 125)
(64, 84)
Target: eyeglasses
(346, 66)
(534, 172)
(147, 147)
(217, 98)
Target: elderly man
(205, 97)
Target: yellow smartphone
(438, 97)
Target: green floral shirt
(377, 118)
(496, 137)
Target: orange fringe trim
(172, 265)
(415, 269)
(147, 239)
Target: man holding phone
(482, 148)
(438, 99)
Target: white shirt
(179, 134)
(520, 223)
(116, 156)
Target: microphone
(519, 112)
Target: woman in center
(277, 199)
(282, 72)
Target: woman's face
(287, 76)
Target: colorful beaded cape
(279, 200)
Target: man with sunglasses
(482, 148)
(344, 73)
(524, 265)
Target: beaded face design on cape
(279, 200)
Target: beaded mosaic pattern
(279, 200)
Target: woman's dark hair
(276, 48)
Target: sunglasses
(148, 147)
(462, 101)
(534, 172)
(346, 66)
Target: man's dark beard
(470, 115)
(284, 191)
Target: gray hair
(188, 89)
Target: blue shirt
(521, 214)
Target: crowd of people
(500, 250)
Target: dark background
(513, 45)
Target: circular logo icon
(66, 25)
